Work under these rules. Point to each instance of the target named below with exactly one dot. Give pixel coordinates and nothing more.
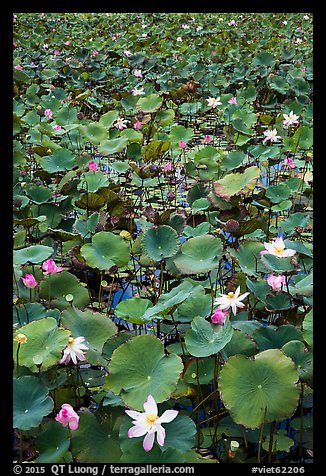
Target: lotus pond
(162, 224)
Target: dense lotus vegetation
(162, 225)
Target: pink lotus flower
(113, 38)
(219, 317)
(55, 52)
(68, 416)
(67, 43)
(138, 73)
(92, 166)
(182, 144)
(121, 123)
(48, 113)
(276, 282)
(29, 281)
(18, 67)
(57, 127)
(213, 52)
(14, 44)
(277, 248)
(94, 53)
(138, 125)
(232, 101)
(168, 167)
(148, 423)
(288, 163)
(49, 266)
(207, 139)
(74, 350)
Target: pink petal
(148, 441)
(135, 431)
(73, 425)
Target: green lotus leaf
(296, 219)
(153, 150)
(259, 287)
(197, 304)
(113, 342)
(31, 402)
(307, 326)
(160, 242)
(232, 160)
(259, 389)
(179, 133)
(281, 442)
(248, 255)
(201, 229)
(45, 343)
(276, 264)
(34, 311)
(132, 310)
(38, 193)
(149, 103)
(302, 359)
(95, 132)
(167, 302)
(279, 84)
(233, 184)
(57, 286)
(271, 337)
(264, 59)
(165, 117)
(91, 201)
(299, 247)
(278, 301)
(132, 135)
(136, 454)
(199, 255)
(52, 443)
(136, 377)
(240, 343)
(105, 251)
(282, 206)
(112, 146)
(249, 226)
(96, 327)
(95, 440)
(248, 327)
(200, 370)
(109, 118)
(61, 159)
(93, 181)
(205, 339)
(278, 193)
(35, 254)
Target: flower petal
(138, 430)
(168, 416)
(133, 414)
(148, 441)
(160, 435)
(150, 405)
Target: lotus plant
(68, 416)
(49, 267)
(277, 248)
(30, 281)
(276, 282)
(231, 300)
(74, 350)
(148, 423)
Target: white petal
(133, 414)
(242, 296)
(160, 435)
(237, 292)
(168, 416)
(150, 405)
(135, 431)
(234, 308)
(288, 252)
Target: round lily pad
(199, 255)
(136, 377)
(57, 286)
(204, 338)
(33, 254)
(105, 251)
(45, 343)
(252, 387)
(160, 242)
(31, 402)
(52, 443)
(272, 337)
(132, 310)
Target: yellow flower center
(279, 249)
(21, 338)
(151, 418)
(70, 341)
(230, 295)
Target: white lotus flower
(121, 123)
(277, 248)
(231, 300)
(138, 92)
(149, 423)
(271, 135)
(213, 102)
(290, 119)
(74, 350)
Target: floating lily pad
(35, 254)
(61, 159)
(150, 103)
(31, 402)
(205, 339)
(96, 327)
(233, 184)
(133, 310)
(135, 377)
(302, 359)
(105, 251)
(57, 286)
(263, 389)
(160, 242)
(272, 337)
(52, 443)
(199, 255)
(45, 343)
